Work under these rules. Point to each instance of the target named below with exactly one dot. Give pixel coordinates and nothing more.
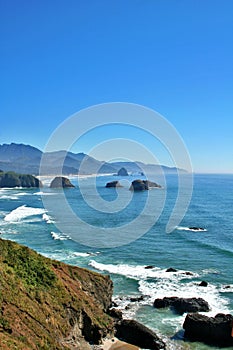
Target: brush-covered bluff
(46, 304)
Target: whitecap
(140, 271)
(184, 228)
(23, 212)
(47, 218)
(11, 197)
(59, 236)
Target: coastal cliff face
(47, 304)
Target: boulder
(203, 284)
(143, 185)
(135, 299)
(113, 184)
(61, 182)
(216, 331)
(182, 305)
(115, 313)
(139, 185)
(149, 267)
(122, 172)
(170, 269)
(137, 334)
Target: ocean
(207, 255)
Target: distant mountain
(26, 159)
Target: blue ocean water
(207, 255)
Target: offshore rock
(182, 305)
(113, 184)
(137, 334)
(143, 185)
(216, 331)
(122, 172)
(61, 182)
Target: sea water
(207, 255)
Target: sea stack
(61, 182)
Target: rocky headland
(11, 179)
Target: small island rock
(61, 182)
(143, 185)
(122, 172)
(182, 305)
(113, 184)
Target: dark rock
(197, 228)
(61, 182)
(12, 179)
(122, 172)
(170, 269)
(142, 185)
(183, 305)
(149, 267)
(113, 184)
(114, 304)
(115, 313)
(135, 299)
(210, 330)
(187, 273)
(137, 334)
(203, 284)
(139, 185)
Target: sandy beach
(115, 344)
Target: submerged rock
(203, 284)
(61, 182)
(113, 184)
(215, 331)
(182, 305)
(171, 269)
(137, 334)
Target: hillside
(26, 159)
(46, 304)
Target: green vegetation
(44, 302)
(12, 179)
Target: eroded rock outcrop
(143, 185)
(215, 331)
(122, 172)
(12, 179)
(61, 182)
(182, 305)
(135, 333)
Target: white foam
(23, 212)
(86, 254)
(138, 271)
(11, 197)
(47, 218)
(59, 236)
(184, 228)
(44, 193)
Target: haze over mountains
(26, 159)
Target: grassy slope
(45, 304)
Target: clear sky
(174, 56)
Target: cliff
(12, 179)
(46, 304)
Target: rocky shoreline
(47, 304)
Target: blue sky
(174, 56)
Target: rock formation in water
(113, 184)
(143, 185)
(216, 331)
(122, 172)
(61, 182)
(12, 179)
(182, 305)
